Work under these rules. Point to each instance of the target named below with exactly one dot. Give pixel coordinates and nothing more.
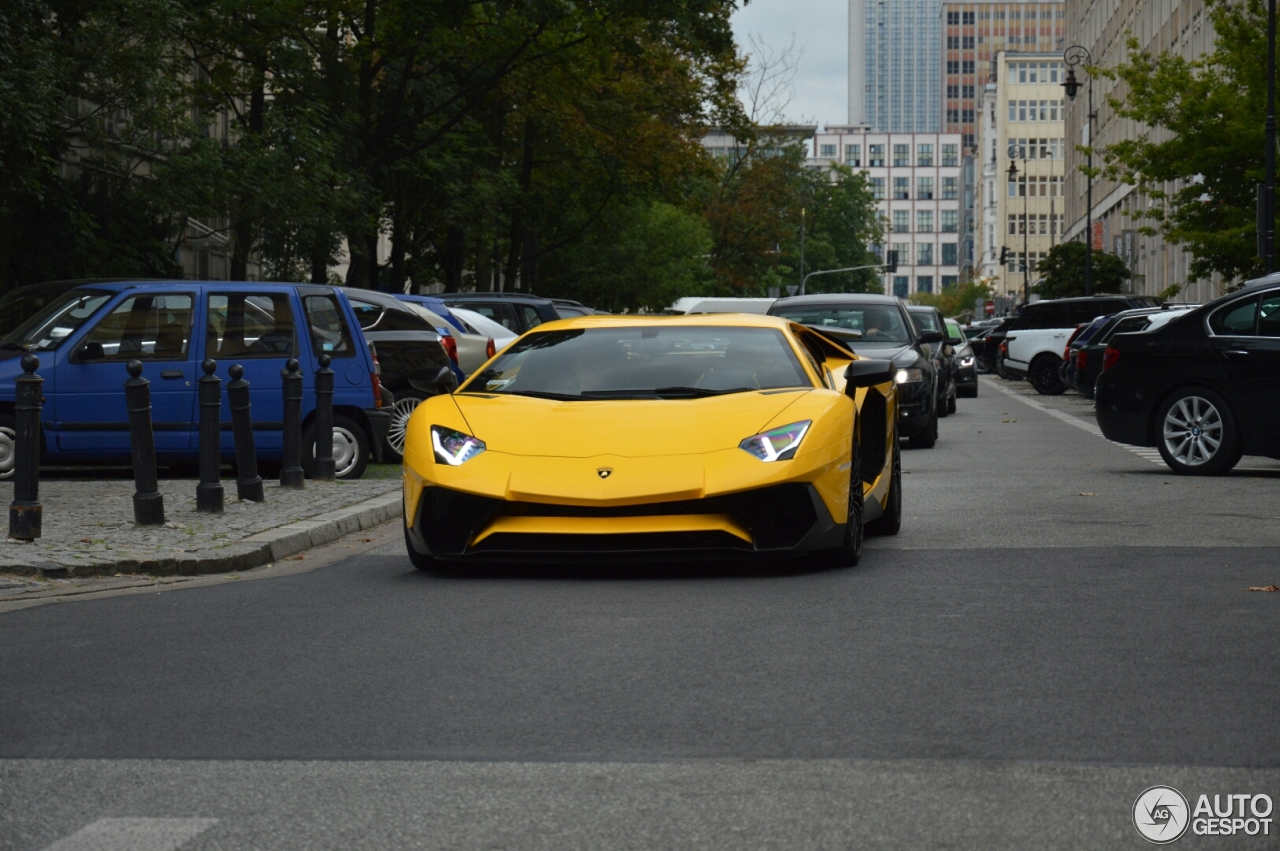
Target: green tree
(1063, 272)
(953, 301)
(1209, 113)
(842, 226)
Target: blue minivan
(85, 337)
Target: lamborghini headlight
(909, 376)
(776, 444)
(454, 448)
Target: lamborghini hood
(521, 425)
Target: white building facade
(917, 179)
(1021, 121)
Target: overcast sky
(821, 27)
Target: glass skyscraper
(895, 65)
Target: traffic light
(891, 265)
(1004, 255)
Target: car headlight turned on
(967, 361)
(776, 444)
(454, 448)
(908, 376)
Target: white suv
(1037, 338)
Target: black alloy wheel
(849, 553)
(890, 522)
(1044, 376)
(927, 438)
(1196, 433)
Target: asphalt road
(1061, 624)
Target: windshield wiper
(540, 394)
(18, 347)
(700, 392)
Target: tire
(350, 448)
(1043, 376)
(8, 443)
(967, 393)
(890, 522)
(1000, 372)
(951, 400)
(927, 438)
(1196, 433)
(849, 553)
(940, 404)
(1085, 391)
(401, 410)
(419, 560)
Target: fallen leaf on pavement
(1265, 588)
(366, 540)
(295, 558)
(1084, 493)
(85, 541)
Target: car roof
(838, 298)
(729, 320)
(378, 298)
(920, 308)
(121, 284)
(503, 296)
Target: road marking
(134, 834)
(1149, 453)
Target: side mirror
(92, 351)
(955, 341)
(931, 337)
(866, 372)
(440, 381)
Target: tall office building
(895, 70)
(972, 34)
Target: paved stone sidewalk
(89, 530)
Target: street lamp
(1073, 56)
(1017, 152)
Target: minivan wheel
(350, 448)
(8, 443)
(1196, 434)
(1044, 376)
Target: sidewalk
(88, 527)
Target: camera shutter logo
(1161, 815)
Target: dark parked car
(966, 361)
(991, 345)
(516, 311)
(408, 348)
(878, 326)
(1078, 341)
(85, 337)
(1088, 357)
(942, 352)
(1204, 389)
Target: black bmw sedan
(1204, 389)
(878, 326)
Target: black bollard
(24, 511)
(148, 504)
(324, 421)
(291, 475)
(209, 491)
(248, 482)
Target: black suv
(517, 312)
(878, 326)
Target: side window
(529, 314)
(497, 311)
(366, 314)
(329, 332)
(1048, 316)
(1080, 312)
(1236, 319)
(146, 327)
(1269, 316)
(403, 320)
(1132, 324)
(249, 325)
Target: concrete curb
(253, 551)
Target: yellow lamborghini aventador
(632, 437)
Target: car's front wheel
(350, 448)
(927, 438)
(1196, 433)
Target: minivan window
(249, 325)
(59, 319)
(1236, 319)
(329, 332)
(366, 314)
(145, 327)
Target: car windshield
(925, 320)
(879, 324)
(58, 320)
(955, 331)
(643, 361)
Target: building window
(968, 92)
(853, 155)
(969, 141)
(966, 116)
(967, 66)
(967, 42)
(950, 155)
(924, 188)
(924, 253)
(875, 156)
(924, 155)
(953, 66)
(953, 42)
(950, 220)
(901, 188)
(950, 188)
(1013, 225)
(924, 221)
(903, 250)
(953, 19)
(953, 116)
(924, 283)
(949, 254)
(901, 155)
(901, 221)
(828, 151)
(953, 92)
(901, 286)
(877, 188)
(968, 19)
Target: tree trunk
(454, 258)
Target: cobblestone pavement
(88, 525)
